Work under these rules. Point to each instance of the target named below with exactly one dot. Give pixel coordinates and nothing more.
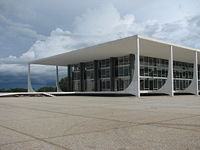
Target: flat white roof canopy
(148, 47)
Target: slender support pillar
(168, 87)
(30, 88)
(171, 72)
(135, 83)
(134, 86)
(193, 87)
(112, 73)
(69, 72)
(196, 90)
(96, 75)
(57, 81)
(137, 67)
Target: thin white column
(137, 67)
(168, 87)
(134, 86)
(196, 74)
(193, 87)
(171, 72)
(57, 80)
(30, 88)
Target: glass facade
(122, 73)
(76, 77)
(199, 77)
(183, 74)
(117, 73)
(89, 71)
(104, 75)
(153, 73)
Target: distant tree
(17, 90)
(47, 89)
(64, 84)
(2, 90)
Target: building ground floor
(109, 75)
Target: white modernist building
(133, 65)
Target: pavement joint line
(36, 138)
(78, 115)
(177, 118)
(174, 127)
(104, 130)
(31, 119)
(16, 142)
(144, 109)
(96, 131)
(133, 125)
(81, 133)
(81, 107)
(99, 117)
(65, 113)
(178, 124)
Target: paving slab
(13, 113)
(50, 127)
(100, 123)
(9, 136)
(140, 116)
(137, 137)
(191, 123)
(32, 145)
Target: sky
(33, 29)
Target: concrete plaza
(100, 123)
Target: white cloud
(95, 26)
(59, 41)
(105, 24)
(8, 68)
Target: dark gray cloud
(19, 28)
(40, 76)
(15, 37)
(20, 81)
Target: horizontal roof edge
(167, 43)
(101, 44)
